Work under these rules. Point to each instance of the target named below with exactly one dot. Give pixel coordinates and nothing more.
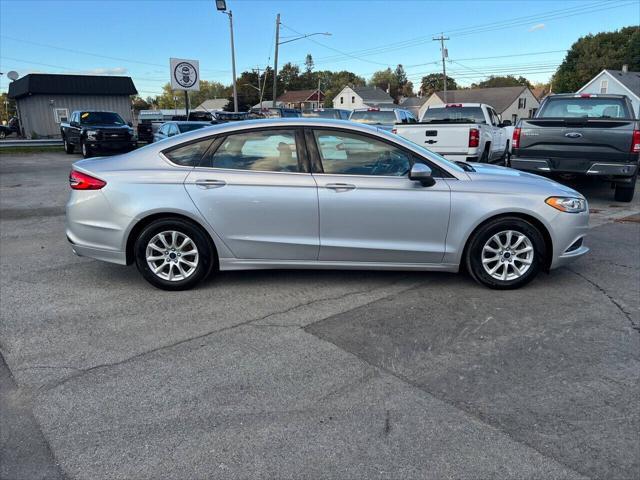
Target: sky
(137, 38)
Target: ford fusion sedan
(316, 193)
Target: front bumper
(568, 235)
(116, 146)
(575, 166)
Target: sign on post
(185, 74)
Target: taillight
(515, 140)
(474, 137)
(82, 181)
(635, 142)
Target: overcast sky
(137, 38)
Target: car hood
(512, 177)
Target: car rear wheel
(86, 150)
(173, 254)
(624, 193)
(505, 253)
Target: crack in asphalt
(628, 315)
(83, 371)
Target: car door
(369, 209)
(74, 128)
(498, 134)
(255, 190)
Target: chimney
(625, 68)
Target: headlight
(567, 204)
(92, 134)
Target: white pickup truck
(469, 132)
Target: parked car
(336, 113)
(95, 131)
(231, 116)
(12, 126)
(317, 193)
(582, 134)
(384, 118)
(169, 129)
(468, 132)
(277, 112)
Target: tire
(527, 259)
(505, 156)
(485, 154)
(3, 134)
(85, 149)
(68, 147)
(177, 270)
(625, 193)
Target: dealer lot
(311, 374)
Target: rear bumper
(583, 167)
(100, 254)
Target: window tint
(188, 155)
(454, 114)
(270, 151)
(374, 117)
(353, 154)
(579, 107)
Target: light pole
(275, 57)
(221, 5)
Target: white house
(620, 82)
(212, 105)
(350, 98)
(512, 103)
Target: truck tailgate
(443, 139)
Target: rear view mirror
(421, 173)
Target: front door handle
(339, 187)
(210, 183)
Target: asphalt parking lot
(311, 374)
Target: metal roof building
(46, 100)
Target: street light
(275, 57)
(221, 6)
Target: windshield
(101, 118)
(583, 107)
(453, 115)
(186, 127)
(373, 117)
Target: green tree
(333, 82)
(434, 83)
(208, 90)
(591, 54)
(502, 81)
(308, 63)
(7, 106)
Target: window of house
(353, 99)
(522, 103)
(341, 100)
(514, 119)
(604, 86)
(61, 114)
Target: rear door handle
(340, 186)
(210, 183)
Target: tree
(434, 83)
(8, 106)
(593, 53)
(208, 90)
(139, 103)
(502, 81)
(405, 87)
(308, 63)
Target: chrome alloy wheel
(507, 255)
(172, 256)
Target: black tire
(85, 149)
(485, 154)
(205, 262)
(505, 156)
(68, 147)
(3, 134)
(624, 193)
(476, 244)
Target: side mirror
(74, 124)
(421, 173)
(506, 123)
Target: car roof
(189, 122)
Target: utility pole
(275, 60)
(221, 6)
(257, 70)
(319, 92)
(445, 54)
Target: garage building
(46, 100)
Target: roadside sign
(185, 74)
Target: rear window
(581, 107)
(373, 117)
(454, 115)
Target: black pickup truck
(94, 131)
(582, 134)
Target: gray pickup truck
(582, 134)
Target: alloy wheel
(172, 256)
(507, 255)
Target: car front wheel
(86, 151)
(173, 254)
(505, 253)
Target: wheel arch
(544, 231)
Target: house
(212, 105)
(512, 103)
(267, 104)
(362, 97)
(301, 99)
(413, 104)
(45, 100)
(621, 82)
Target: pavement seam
(416, 386)
(81, 372)
(610, 297)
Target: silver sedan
(314, 193)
